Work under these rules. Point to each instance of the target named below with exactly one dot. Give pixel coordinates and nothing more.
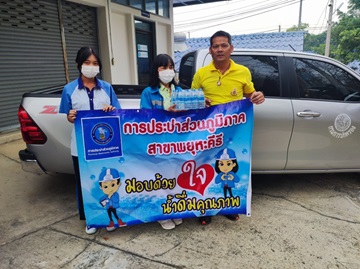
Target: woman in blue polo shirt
(162, 84)
(158, 96)
(86, 93)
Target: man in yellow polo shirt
(224, 81)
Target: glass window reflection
(264, 71)
(321, 80)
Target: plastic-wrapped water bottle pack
(186, 99)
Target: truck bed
(52, 154)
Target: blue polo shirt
(151, 98)
(76, 96)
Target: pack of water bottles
(186, 99)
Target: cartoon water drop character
(109, 180)
(226, 166)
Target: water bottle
(201, 99)
(180, 105)
(187, 99)
(193, 99)
(196, 98)
(174, 98)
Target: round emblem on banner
(102, 133)
(342, 122)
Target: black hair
(235, 169)
(83, 54)
(160, 60)
(220, 33)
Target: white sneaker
(177, 221)
(90, 230)
(167, 224)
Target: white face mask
(89, 71)
(166, 75)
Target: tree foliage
(294, 28)
(315, 43)
(354, 5)
(345, 36)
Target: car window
(322, 80)
(264, 71)
(186, 70)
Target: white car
(309, 123)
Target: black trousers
(79, 197)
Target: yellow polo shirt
(223, 88)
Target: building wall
(123, 68)
(117, 39)
(40, 39)
(165, 37)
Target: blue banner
(143, 165)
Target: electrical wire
(217, 23)
(323, 14)
(218, 7)
(201, 8)
(231, 14)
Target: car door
(274, 118)
(326, 101)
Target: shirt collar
(81, 84)
(166, 94)
(213, 68)
(162, 88)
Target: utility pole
(328, 34)
(299, 24)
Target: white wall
(164, 39)
(104, 42)
(116, 34)
(123, 69)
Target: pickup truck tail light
(31, 133)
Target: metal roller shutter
(80, 25)
(30, 52)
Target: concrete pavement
(298, 221)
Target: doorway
(145, 37)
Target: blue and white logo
(102, 133)
(101, 137)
